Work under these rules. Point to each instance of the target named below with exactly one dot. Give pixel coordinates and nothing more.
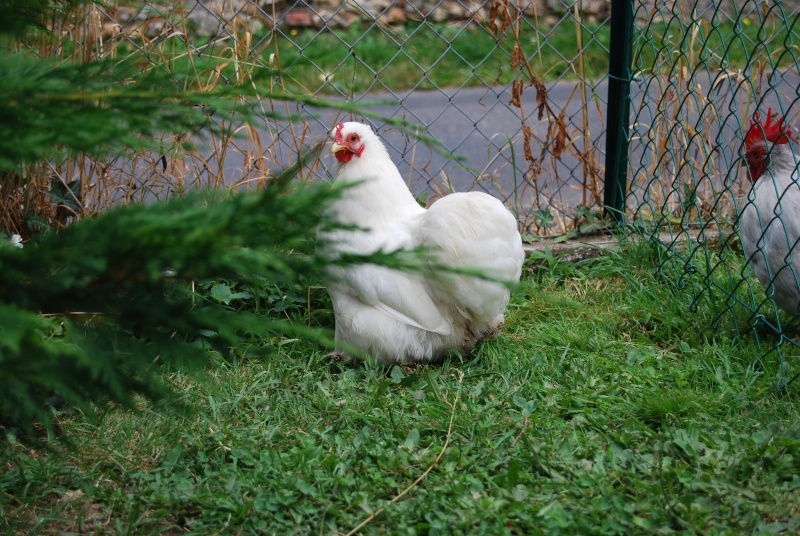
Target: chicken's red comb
(775, 132)
(338, 137)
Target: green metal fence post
(619, 100)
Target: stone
(298, 17)
(208, 17)
(394, 16)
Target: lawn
(603, 407)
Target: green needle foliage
(90, 315)
(117, 294)
(49, 108)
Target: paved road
(476, 124)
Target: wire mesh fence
(513, 90)
(701, 71)
(517, 94)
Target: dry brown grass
(688, 170)
(34, 198)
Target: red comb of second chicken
(775, 131)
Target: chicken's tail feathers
(473, 230)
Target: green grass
(443, 56)
(602, 408)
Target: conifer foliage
(89, 315)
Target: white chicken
(405, 317)
(769, 225)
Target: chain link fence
(700, 72)
(515, 91)
(517, 94)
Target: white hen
(769, 225)
(405, 317)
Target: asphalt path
(480, 135)
(484, 132)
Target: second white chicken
(769, 225)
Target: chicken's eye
(353, 137)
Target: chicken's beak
(335, 148)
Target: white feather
(406, 317)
